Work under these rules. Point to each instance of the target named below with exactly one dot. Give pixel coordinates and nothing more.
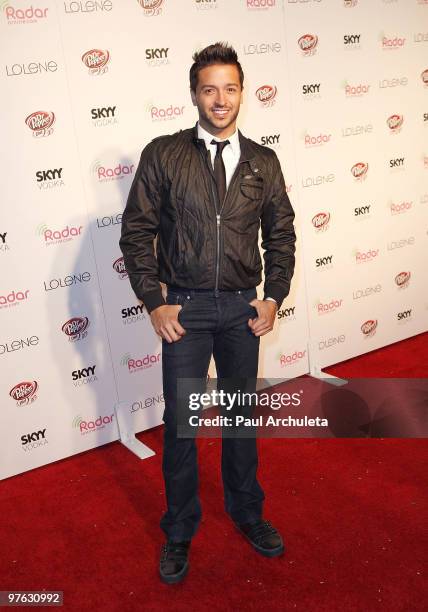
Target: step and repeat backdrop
(338, 89)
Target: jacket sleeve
(140, 226)
(278, 236)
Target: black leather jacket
(201, 242)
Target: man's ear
(193, 96)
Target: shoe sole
(174, 578)
(266, 552)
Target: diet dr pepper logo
(359, 171)
(369, 328)
(266, 95)
(402, 279)
(308, 44)
(320, 221)
(394, 122)
(119, 267)
(40, 123)
(24, 393)
(76, 328)
(151, 8)
(96, 61)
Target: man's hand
(266, 310)
(165, 322)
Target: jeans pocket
(247, 296)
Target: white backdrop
(86, 84)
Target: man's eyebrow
(227, 85)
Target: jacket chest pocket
(251, 187)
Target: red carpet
(352, 513)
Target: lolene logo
(355, 91)
(324, 262)
(396, 82)
(328, 307)
(151, 8)
(105, 115)
(165, 113)
(369, 328)
(316, 141)
(352, 41)
(424, 77)
(14, 298)
(394, 122)
(405, 315)
(402, 279)
(107, 173)
(67, 281)
(148, 402)
(76, 328)
(286, 314)
(136, 365)
(420, 37)
(270, 140)
(31, 68)
(402, 207)
(88, 6)
(320, 221)
(291, 358)
(22, 16)
(329, 342)
(119, 267)
(399, 244)
(316, 181)
(96, 61)
(360, 293)
(308, 44)
(24, 393)
(266, 95)
(56, 236)
(391, 43)
(17, 345)
(157, 57)
(260, 4)
(132, 314)
(365, 256)
(109, 221)
(3, 244)
(362, 210)
(33, 440)
(260, 48)
(40, 123)
(49, 179)
(86, 427)
(359, 171)
(84, 376)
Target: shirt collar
(207, 137)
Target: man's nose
(220, 98)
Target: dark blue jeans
(215, 326)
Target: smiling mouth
(220, 112)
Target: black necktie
(219, 169)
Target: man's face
(218, 97)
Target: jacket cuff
(153, 299)
(277, 292)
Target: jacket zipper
(219, 209)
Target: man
(204, 192)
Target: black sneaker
(174, 561)
(263, 537)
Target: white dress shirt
(231, 153)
